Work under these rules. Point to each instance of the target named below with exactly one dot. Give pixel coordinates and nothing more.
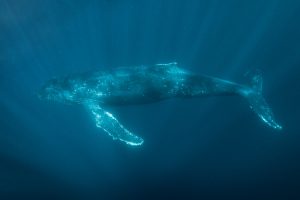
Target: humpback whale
(146, 84)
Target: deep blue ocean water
(210, 148)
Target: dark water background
(201, 148)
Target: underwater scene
(149, 99)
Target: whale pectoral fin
(111, 125)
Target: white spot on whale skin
(109, 114)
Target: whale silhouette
(147, 84)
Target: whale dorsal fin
(111, 125)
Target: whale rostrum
(97, 91)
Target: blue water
(212, 148)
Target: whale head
(55, 90)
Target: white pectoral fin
(111, 125)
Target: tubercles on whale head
(54, 90)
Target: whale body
(146, 84)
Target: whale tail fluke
(257, 103)
(256, 80)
